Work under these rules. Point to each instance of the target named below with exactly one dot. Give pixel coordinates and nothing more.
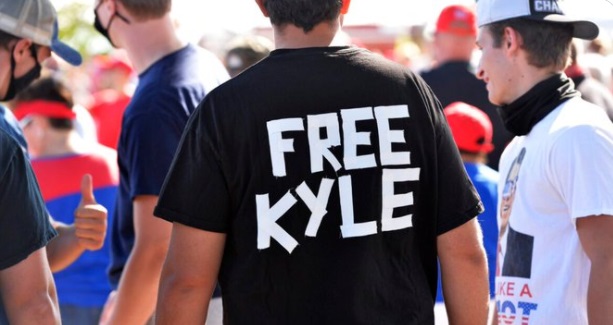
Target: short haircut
(6, 39)
(305, 14)
(49, 89)
(547, 44)
(147, 9)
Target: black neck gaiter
(521, 115)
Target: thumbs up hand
(90, 218)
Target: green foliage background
(77, 30)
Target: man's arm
(28, 291)
(86, 233)
(189, 275)
(138, 286)
(596, 236)
(464, 274)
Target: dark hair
(547, 43)
(6, 38)
(305, 14)
(50, 89)
(147, 9)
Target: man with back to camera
(555, 264)
(453, 77)
(173, 77)
(28, 34)
(322, 194)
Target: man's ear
(261, 4)
(21, 50)
(512, 40)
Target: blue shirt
(9, 123)
(84, 282)
(485, 180)
(24, 222)
(167, 93)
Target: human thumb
(87, 190)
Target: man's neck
(293, 37)
(151, 40)
(474, 158)
(61, 143)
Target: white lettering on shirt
(388, 136)
(267, 221)
(319, 147)
(279, 145)
(353, 138)
(317, 204)
(323, 133)
(392, 201)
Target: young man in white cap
(555, 263)
(322, 194)
(28, 34)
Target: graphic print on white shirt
(514, 259)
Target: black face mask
(18, 84)
(101, 29)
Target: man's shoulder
(8, 145)
(578, 113)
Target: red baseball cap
(457, 20)
(345, 7)
(471, 127)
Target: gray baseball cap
(36, 20)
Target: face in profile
(494, 69)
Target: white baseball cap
(491, 11)
(36, 20)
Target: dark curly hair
(305, 14)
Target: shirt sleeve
(581, 163)
(24, 222)
(457, 199)
(195, 192)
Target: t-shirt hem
(173, 216)
(15, 259)
(462, 219)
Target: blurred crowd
(73, 116)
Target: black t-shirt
(332, 171)
(454, 81)
(24, 222)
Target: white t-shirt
(562, 170)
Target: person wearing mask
(28, 35)
(173, 77)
